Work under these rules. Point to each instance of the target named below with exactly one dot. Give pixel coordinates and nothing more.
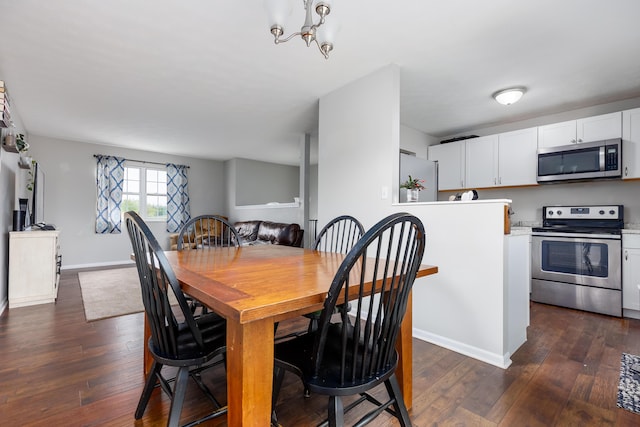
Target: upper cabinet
(506, 159)
(605, 126)
(482, 166)
(517, 157)
(509, 159)
(451, 164)
(631, 143)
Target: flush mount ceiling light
(509, 96)
(279, 10)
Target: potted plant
(413, 186)
(25, 161)
(21, 144)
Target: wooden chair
(345, 358)
(189, 345)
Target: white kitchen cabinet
(34, 267)
(482, 162)
(451, 164)
(595, 128)
(630, 272)
(631, 143)
(506, 159)
(517, 157)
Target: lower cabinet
(631, 272)
(34, 267)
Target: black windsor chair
(341, 359)
(190, 345)
(205, 232)
(339, 236)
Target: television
(37, 196)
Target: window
(145, 191)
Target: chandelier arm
(279, 40)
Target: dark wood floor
(58, 370)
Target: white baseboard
(501, 361)
(630, 313)
(97, 264)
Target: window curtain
(178, 212)
(109, 179)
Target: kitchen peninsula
(478, 303)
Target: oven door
(581, 259)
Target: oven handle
(578, 235)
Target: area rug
(629, 387)
(110, 293)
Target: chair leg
(278, 377)
(179, 391)
(148, 389)
(393, 388)
(336, 412)
(313, 325)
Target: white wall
(10, 175)
(264, 182)
(248, 213)
(70, 197)
(359, 131)
(415, 141)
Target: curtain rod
(141, 161)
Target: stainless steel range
(576, 258)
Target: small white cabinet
(630, 271)
(631, 143)
(34, 267)
(451, 164)
(595, 128)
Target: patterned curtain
(178, 212)
(109, 186)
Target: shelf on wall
(9, 148)
(23, 163)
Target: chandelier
(310, 32)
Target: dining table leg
(146, 354)
(249, 372)
(404, 347)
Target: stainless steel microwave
(584, 161)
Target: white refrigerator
(423, 169)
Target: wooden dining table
(254, 287)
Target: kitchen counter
(482, 309)
(518, 231)
(631, 229)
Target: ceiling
(203, 78)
